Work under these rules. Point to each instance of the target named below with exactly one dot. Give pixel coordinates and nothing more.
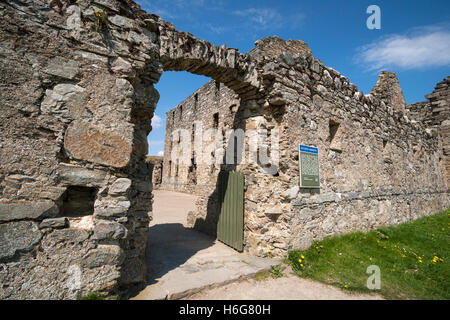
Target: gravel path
(289, 287)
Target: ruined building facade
(379, 159)
(77, 100)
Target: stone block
(109, 230)
(62, 67)
(274, 210)
(110, 4)
(93, 143)
(70, 235)
(121, 21)
(54, 223)
(28, 210)
(120, 65)
(120, 186)
(111, 209)
(16, 237)
(104, 255)
(78, 176)
(291, 193)
(66, 100)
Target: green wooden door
(230, 227)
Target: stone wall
(377, 166)
(213, 106)
(435, 114)
(156, 166)
(75, 192)
(77, 99)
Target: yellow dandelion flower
(303, 257)
(345, 286)
(299, 260)
(301, 265)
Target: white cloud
(424, 47)
(269, 18)
(161, 153)
(156, 122)
(262, 18)
(215, 29)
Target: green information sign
(309, 167)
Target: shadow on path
(170, 245)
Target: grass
(413, 259)
(154, 159)
(92, 296)
(277, 271)
(262, 275)
(98, 296)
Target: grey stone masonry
(77, 98)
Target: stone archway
(76, 102)
(90, 67)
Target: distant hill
(154, 159)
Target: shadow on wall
(208, 224)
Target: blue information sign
(309, 167)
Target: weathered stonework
(377, 166)
(210, 101)
(435, 114)
(97, 145)
(77, 98)
(76, 103)
(156, 165)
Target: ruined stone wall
(156, 167)
(213, 106)
(435, 114)
(377, 166)
(74, 187)
(440, 119)
(77, 98)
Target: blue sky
(414, 40)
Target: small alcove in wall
(335, 133)
(78, 201)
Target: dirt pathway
(289, 287)
(182, 261)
